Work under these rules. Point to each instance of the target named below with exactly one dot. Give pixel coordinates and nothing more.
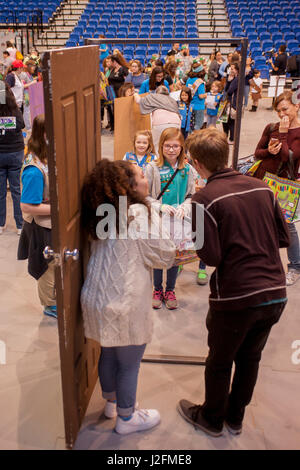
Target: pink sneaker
(157, 299)
(170, 300)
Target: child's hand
(166, 209)
(179, 213)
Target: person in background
(174, 201)
(280, 62)
(6, 62)
(248, 76)
(212, 102)
(11, 157)
(103, 49)
(213, 71)
(126, 90)
(256, 89)
(143, 150)
(211, 58)
(118, 73)
(175, 49)
(29, 77)
(11, 49)
(35, 205)
(248, 293)
(116, 295)
(279, 144)
(185, 58)
(224, 68)
(121, 58)
(186, 111)
(164, 112)
(136, 75)
(231, 88)
(156, 79)
(197, 85)
(14, 81)
(170, 70)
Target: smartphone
(273, 140)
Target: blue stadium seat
(256, 52)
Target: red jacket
(243, 231)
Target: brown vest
(42, 220)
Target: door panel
(72, 112)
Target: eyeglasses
(174, 147)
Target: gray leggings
(118, 370)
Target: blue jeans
(246, 95)
(293, 250)
(118, 370)
(10, 170)
(171, 278)
(199, 118)
(202, 265)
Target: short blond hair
(209, 147)
(168, 134)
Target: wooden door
(72, 112)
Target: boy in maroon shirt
(243, 231)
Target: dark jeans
(293, 250)
(228, 128)
(239, 337)
(171, 278)
(10, 169)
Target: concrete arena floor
(30, 389)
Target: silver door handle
(72, 254)
(49, 253)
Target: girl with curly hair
(116, 296)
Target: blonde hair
(209, 147)
(168, 134)
(148, 134)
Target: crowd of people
(170, 170)
(209, 81)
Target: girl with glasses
(174, 200)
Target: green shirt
(176, 192)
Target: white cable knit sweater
(117, 293)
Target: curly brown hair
(104, 185)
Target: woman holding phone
(279, 150)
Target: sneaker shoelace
(170, 295)
(157, 295)
(143, 414)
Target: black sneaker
(192, 413)
(234, 429)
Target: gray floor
(30, 387)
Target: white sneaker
(291, 277)
(110, 410)
(141, 420)
(19, 231)
(1, 230)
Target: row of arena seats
(267, 25)
(23, 11)
(137, 19)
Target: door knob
(72, 254)
(49, 253)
